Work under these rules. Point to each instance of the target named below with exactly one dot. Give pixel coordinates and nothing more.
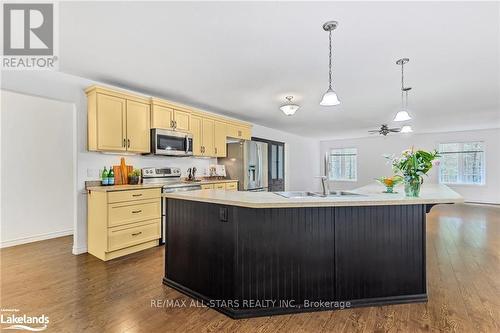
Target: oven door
(165, 142)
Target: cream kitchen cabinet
(169, 116)
(239, 131)
(203, 136)
(120, 121)
(220, 136)
(117, 121)
(122, 222)
(138, 127)
(221, 185)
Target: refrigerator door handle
(259, 167)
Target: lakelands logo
(15, 321)
(29, 36)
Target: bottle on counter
(111, 176)
(104, 177)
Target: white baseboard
(36, 238)
(478, 203)
(79, 250)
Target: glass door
(276, 164)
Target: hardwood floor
(84, 294)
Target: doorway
(38, 176)
(276, 164)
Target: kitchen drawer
(134, 211)
(219, 186)
(232, 186)
(122, 237)
(128, 195)
(207, 187)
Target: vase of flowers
(412, 165)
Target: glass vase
(412, 187)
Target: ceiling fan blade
(395, 130)
(374, 131)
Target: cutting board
(121, 179)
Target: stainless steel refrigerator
(246, 161)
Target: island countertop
(370, 195)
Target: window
(342, 164)
(461, 163)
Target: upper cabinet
(239, 131)
(122, 121)
(220, 137)
(117, 121)
(182, 120)
(169, 116)
(202, 129)
(138, 127)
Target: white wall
(302, 164)
(300, 152)
(38, 169)
(371, 163)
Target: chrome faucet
(324, 186)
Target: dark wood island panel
(249, 262)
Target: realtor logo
(28, 29)
(29, 36)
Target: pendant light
(330, 97)
(403, 114)
(289, 107)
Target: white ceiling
(242, 59)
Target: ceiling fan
(384, 130)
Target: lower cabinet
(123, 222)
(233, 186)
(224, 185)
(219, 186)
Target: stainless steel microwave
(171, 143)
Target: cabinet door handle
(124, 143)
(215, 150)
(128, 143)
(137, 233)
(175, 123)
(239, 133)
(136, 211)
(137, 195)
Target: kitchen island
(258, 253)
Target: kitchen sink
(296, 194)
(305, 194)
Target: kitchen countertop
(212, 181)
(111, 188)
(145, 186)
(371, 195)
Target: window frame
(329, 164)
(483, 171)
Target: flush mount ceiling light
(289, 107)
(406, 129)
(330, 97)
(403, 114)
